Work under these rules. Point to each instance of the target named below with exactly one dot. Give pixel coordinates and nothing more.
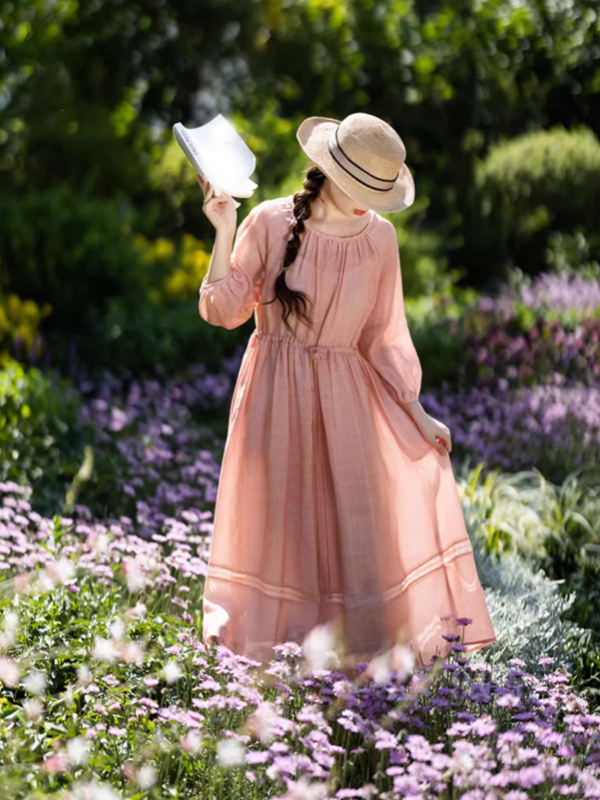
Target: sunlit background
(114, 393)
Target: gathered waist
(313, 349)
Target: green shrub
(532, 619)
(138, 337)
(525, 189)
(114, 298)
(537, 547)
(41, 436)
(70, 250)
(574, 254)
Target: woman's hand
(436, 433)
(220, 210)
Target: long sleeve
(385, 340)
(230, 301)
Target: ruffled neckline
(352, 237)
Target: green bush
(41, 436)
(70, 250)
(138, 337)
(533, 618)
(525, 189)
(574, 254)
(113, 298)
(537, 550)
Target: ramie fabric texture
(331, 506)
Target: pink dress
(331, 506)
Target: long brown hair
(291, 299)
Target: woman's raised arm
(229, 301)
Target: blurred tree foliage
(89, 90)
(452, 77)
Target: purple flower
(257, 757)
(530, 776)
(459, 729)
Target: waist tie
(317, 351)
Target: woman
(337, 501)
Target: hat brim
(313, 133)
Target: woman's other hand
(436, 433)
(220, 210)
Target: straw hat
(364, 156)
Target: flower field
(108, 692)
(115, 397)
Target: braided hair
(291, 299)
